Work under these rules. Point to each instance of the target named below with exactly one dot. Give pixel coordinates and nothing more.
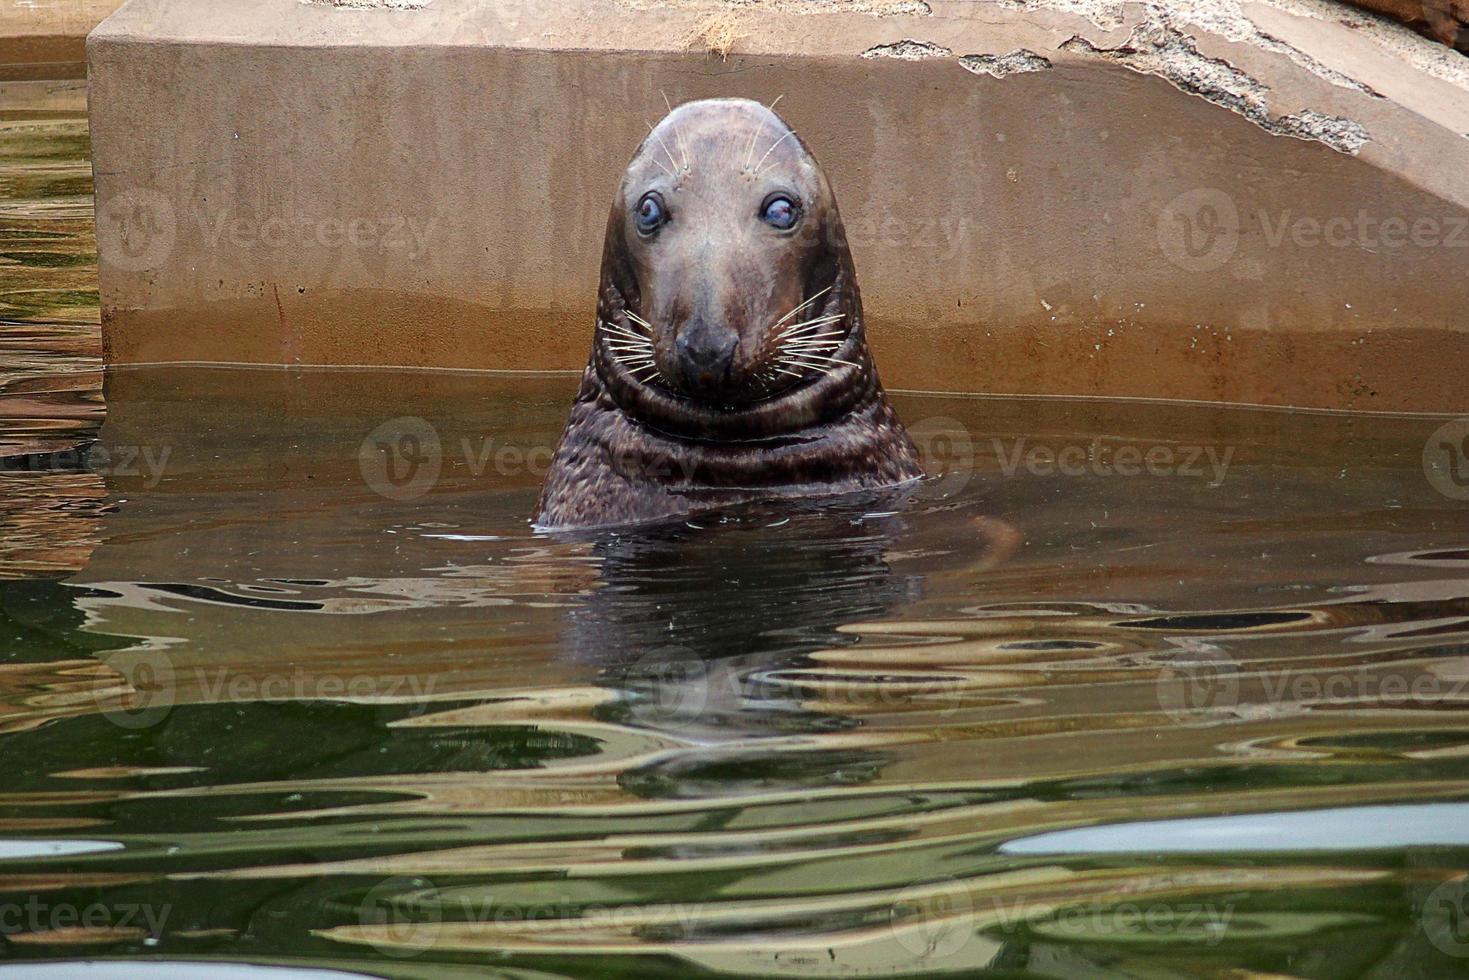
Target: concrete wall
(1251, 204)
(45, 39)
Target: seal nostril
(706, 352)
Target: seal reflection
(706, 630)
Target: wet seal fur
(729, 362)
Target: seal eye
(780, 211)
(650, 214)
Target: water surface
(288, 680)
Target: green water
(1122, 690)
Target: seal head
(729, 361)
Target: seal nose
(706, 354)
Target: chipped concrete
(370, 4)
(1000, 65)
(1336, 132)
(1157, 48)
(876, 8)
(908, 50)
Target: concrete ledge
(45, 39)
(1256, 203)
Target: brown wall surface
(45, 39)
(1159, 210)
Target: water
(287, 680)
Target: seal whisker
(812, 337)
(624, 337)
(795, 330)
(677, 136)
(816, 368)
(819, 360)
(750, 150)
(637, 319)
(663, 168)
(755, 132)
(816, 321)
(788, 134)
(799, 308)
(654, 133)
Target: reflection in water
(275, 692)
(709, 624)
(324, 725)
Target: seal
(729, 361)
